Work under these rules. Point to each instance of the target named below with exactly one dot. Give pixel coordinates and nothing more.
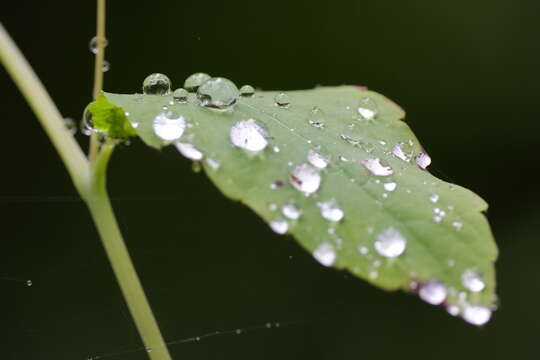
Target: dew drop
(276, 149)
(399, 152)
(70, 125)
(317, 159)
(325, 254)
(434, 198)
(331, 211)
(169, 126)
(305, 178)
(433, 292)
(193, 82)
(390, 243)
(374, 166)
(390, 186)
(316, 118)
(367, 109)
(93, 46)
(476, 315)
(472, 281)
(247, 91)
(363, 250)
(423, 160)
(87, 125)
(290, 211)
(214, 164)
(457, 224)
(180, 95)
(106, 66)
(343, 158)
(156, 84)
(453, 310)
(282, 100)
(29, 283)
(350, 139)
(189, 151)
(279, 226)
(218, 93)
(248, 135)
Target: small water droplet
(367, 108)
(70, 125)
(433, 292)
(93, 46)
(218, 93)
(325, 254)
(87, 125)
(316, 118)
(317, 159)
(180, 95)
(189, 151)
(275, 149)
(350, 140)
(434, 198)
(268, 325)
(305, 178)
(248, 135)
(193, 82)
(247, 91)
(363, 250)
(279, 226)
(423, 160)
(169, 126)
(390, 186)
(390, 243)
(374, 166)
(148, 349)
(214, 164)
(156, 84)
(106, 66)
(29, 283)
(343, 158)
(238, 331)
(476, 315)
(453, 310)
(472, 281)
(331, 211)
(457, 224)
(400, 152)
(282, 100)
(290, 211)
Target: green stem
(89, 179)
(103, 215)
(39, 100)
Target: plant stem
(103, 215)
(98, 68)
(39, 100)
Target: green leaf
(386, 198)
(110, 119)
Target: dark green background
(467, 73)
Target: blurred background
(466, 71)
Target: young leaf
(337, 168)
(110, 119)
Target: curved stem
(45, 110)
(98, 67)
(103, 215)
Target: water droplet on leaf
(331, 211)
(189, 151)
(325, 254)
(305, 178)
(218, 93)
(434, 198)
(472, 281)
(367, 108)
(423, 160)
(317, 159)
(156, 84)
(476, 315)
(247, 91)
(390, 186)
(433, 292)
(279, 226)
(248, 135)
(374, 166)
(390, 243)
(282, 100)
(402, 151)
(193, 82)
(180, 95)
(169, 126)
(290, 211)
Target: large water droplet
(248, 135)
(291, 211)
(189, 151)
(331, 211)
(193, 82)
(282, 100)
(367, 108)
(423, 160)
(374, 166)
(317, 159)
(169, 125)
(218, 93)
(180, 95)
(279, 226)
(433, 292)
(472, 281)
(247, 91)
(305, 178)
(93, 46)
(476, 315)
(156, 84)
(390, 243)
(325, 254)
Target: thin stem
(123, 268)
(98, 67)
(45, 110)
